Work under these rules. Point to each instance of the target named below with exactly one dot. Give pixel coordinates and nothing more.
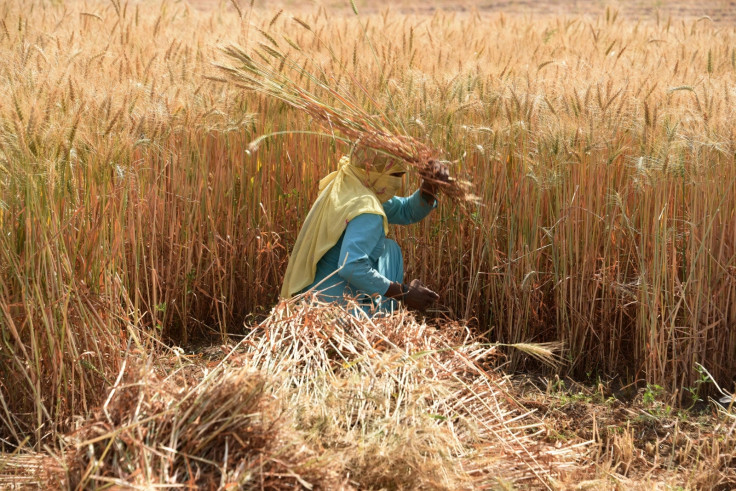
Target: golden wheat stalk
(335, 110)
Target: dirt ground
(722, 12)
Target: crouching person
(342, 251)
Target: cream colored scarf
(358, 186)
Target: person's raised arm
(405, 211)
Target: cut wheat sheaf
(307, 87)
(319, 396)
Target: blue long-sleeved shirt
(359, 248)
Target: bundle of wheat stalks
(316, 396)
(306, 85)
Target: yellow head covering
(361, 183)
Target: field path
(719, 11)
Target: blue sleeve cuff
(405, 211)
(420, 204)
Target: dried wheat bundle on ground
(408, 405)
(218, 430)
(318, 397)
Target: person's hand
(414, 295)
(419, 297)
(435, 173)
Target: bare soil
(721, 12)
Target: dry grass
(641, 442)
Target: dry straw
(317, 396)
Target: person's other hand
(435, 173)
(418, 296)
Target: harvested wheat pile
(319, 397)
(408, 405)
(223, 431)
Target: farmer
(342, 249)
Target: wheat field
(136, 215)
